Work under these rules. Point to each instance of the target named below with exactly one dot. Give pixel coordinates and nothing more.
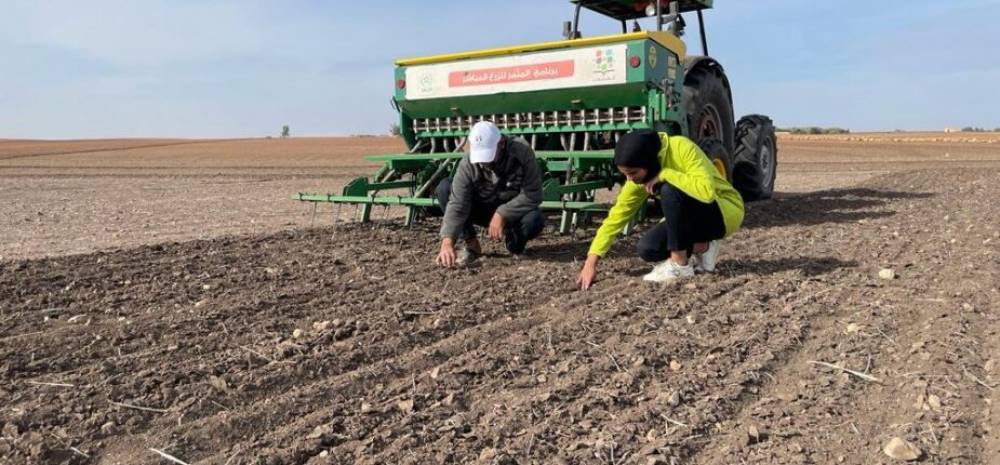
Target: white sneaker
(668, 271)
(709, 258)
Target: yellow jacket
(685, 167)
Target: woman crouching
(699, 207)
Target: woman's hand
(588, 273)
(653, 187)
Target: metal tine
(385, 218)
(336, 216)
(312, 220)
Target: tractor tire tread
(748, 178)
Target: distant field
(904, 137)
(17, 148)
(159, 154)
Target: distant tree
(394, 130)
(285, 131)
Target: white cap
(483, 140)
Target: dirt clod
(934, 402)
(901, 449)
(657, 460)
(219, 383)
(405, 406)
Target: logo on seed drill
(604, 64)
(426, 82)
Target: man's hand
(653, 187)
(496, 227)
(446, 257)
(588, 273)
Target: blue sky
(202, 68)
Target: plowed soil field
(166, 297)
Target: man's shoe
(668, 271)
(466, 257)
(513, 240)
(709, 258)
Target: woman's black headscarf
(640, 149)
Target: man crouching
(498, 185)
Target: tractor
(570, 99)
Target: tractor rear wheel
(756, 158)
(720, 156)
(710, 110)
